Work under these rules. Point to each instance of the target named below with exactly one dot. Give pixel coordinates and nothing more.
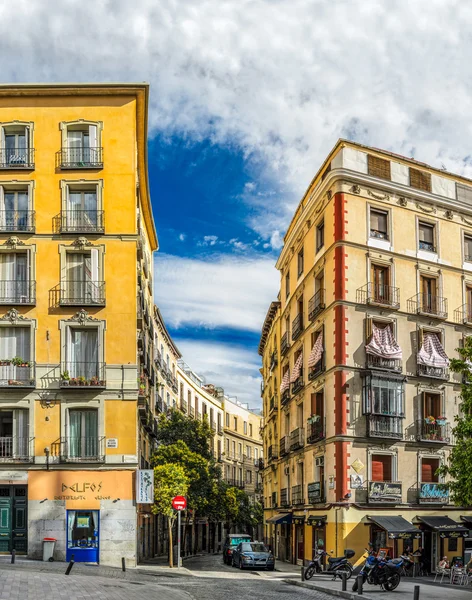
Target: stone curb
(320, 588)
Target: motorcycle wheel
(392, 583)
(310, 572)
(345, 569)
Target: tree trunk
(171, 545)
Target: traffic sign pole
(178, 540)
(179, 503)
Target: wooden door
(429, 291)
(20, 519)
(380, 280)
(5, 520)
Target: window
(189, 398)
(380, 284)
(420, 180)
(381, 467)
(82, 355)
(240, 451)
(204, 409)
(81, 145)
(317, 406)
(452, 545)
(82, 525)
(233, 447)
(196, 406)
(235, 423)
(432, 405)
(378, 167)
(14, 434)
(250, 424)
(468, 297)
(430, 302)
(82, 433)
(468, 247)
(15, 211)
(378, 224)
(248, 451)
(15, 278)
(319, 236)
(168, 362)
(245, 427)
(300, 263)
(429, 466)
(240, 472)
(426, 232)
(256, 453)
(227, 419)
(82, 278)
(287, 285)
(248, 476)
(182, 391)
(15, 342)
(383, 396)
(16, 151)
(227, 446)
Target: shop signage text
(404, 535)
(382, 491)
(433, 492)
(314, 492)
(77, 491)
(145, 486)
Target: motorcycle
(378, 570)
(336, 566)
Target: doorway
(13, 519)
(300, 543)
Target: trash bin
(48, 549)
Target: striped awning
(432, 353)
(383, 343)
(285, 382)
(316, 352)
(297, 369)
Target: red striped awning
(316, 352)
(297, 369)
(285, 382)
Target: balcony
(284, 498)
(192, 412)
(315, 492)
(16, 449)
(428, 305)
(236, 483)
(80, 158)
(284, 446)
(437, 431)
(316, 429)
(273, 500)
(384, 492)
(298, 384)
(463, 314)
(297, 327)
(259, 463)
(158, 359)
(387, 364)
(82, 221)
(17, 158)
(79, 449)
(379, 295)
(274, 361)
(183, 405)
(174, 384)
(385, 426)
(17, 292)
(159, 404)
(297, 495)
(17, 221)
(315, 371)
(273, 404)
(433, 372)
(220, 429)
(17, 373)
(81, 292)
(284, 343)
(272, 453)
(285, 397)
(316, 304)
(83, 375)
(297, 439)
(213, 426)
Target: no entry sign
(179, 503)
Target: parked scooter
(377, 570)
(336, 566)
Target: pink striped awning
(297, 369)
(383, 343)
(316, 352)
(285, 382)
(432, 353)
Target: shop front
(83, 535)
(299, 524)
(442, 537)
(392, 533)
(282, 523)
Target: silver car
(253, 555)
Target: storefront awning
(317, 521)
(467, 521)
(298, 519)
(445, 526)
(280, 519)
(397, 527)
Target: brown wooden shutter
(378, 167)
(313, 404)
(320, 404)
(428, 469)
(420, 180)
(381, 467)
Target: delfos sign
(179, 503)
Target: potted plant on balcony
(17, 361)
(94, 380)
(441, 420)
(430, 420)
(5, 362)
(73, 381)
(65, 378)
(82, 380)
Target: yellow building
(76, 243)
(359, 403)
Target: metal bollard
(360, 583)
(303, 573)
(71, 564)
(13, 554)
(123, 563)
(344, 582)
(416, 593)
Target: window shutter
(368, 328)
(381, 467)
(378, 167)
(420, 180)
(426, 232)
(313, 404)
(428, 468)
(92, 136)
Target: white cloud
(209, 240)
(182, 237)
(273, 79)
(229, 366)
(221, 291)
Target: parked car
(231, 541)
(254, 555)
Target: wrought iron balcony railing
(463, 314)
(298, 384)
(438, 431)
(79, 449)
(433, 372)
(192, 412)
(82, 221)
(17, 374)
(297, 438)
(83, 375)
(284, 498)
(12, 221)
(316, 304)
(80, 158)
(273, 404)
(383, 295)
(428, 304)
(79, 292)
(388, 364)
(16, 158)
(259, 463)
(316, 493)
(17, 291)
(297, 326)
(273, 499)
(315, 371)
(284, 446)
(220, 429)
(285, 397)
(385, 426)
(183, 405)
(316, 429)
(16, 449)
(159, 404)
(284, 343)
(237, 483)
(273, 361)
(297, 495)
(272, 453)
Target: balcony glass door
(14, 276)
(82, 359)
(14, 438)
(82, 276)
(380, 280)
(78, 143)
(82, 210)
(83, 434)
(16, 147)
(15, 343)
(13, 210)
(429, 289)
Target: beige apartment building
(359, 403)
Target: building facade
(74, 209)
(359, 403)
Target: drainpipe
(46, 452)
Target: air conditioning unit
(319, 461)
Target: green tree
(459, 466)
(169, 480)
(175, 426)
